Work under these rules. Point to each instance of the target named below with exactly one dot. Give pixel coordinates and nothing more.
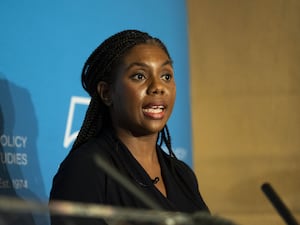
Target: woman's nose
(156, 87)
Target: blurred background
(245, 101)
(236, 120)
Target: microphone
(278, 204)
(155, 180)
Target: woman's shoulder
(85, 154)
(176, 162)
(181, 167)
(81, 160)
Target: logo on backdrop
(77, 109)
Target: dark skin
(141, 100)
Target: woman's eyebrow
(167, 62)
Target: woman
(130, 79)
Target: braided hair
(100, 67)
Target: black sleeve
(77, 180)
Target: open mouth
(154, 109)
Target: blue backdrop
(43, 46)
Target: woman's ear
(104, 91)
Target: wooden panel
(245, 90)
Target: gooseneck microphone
(278, 204)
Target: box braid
(100, 67)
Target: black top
(79, 179)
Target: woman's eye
(138, 76)
(167, 77)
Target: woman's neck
(141, 147)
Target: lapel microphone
(155, 180)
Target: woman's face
(143, 93)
